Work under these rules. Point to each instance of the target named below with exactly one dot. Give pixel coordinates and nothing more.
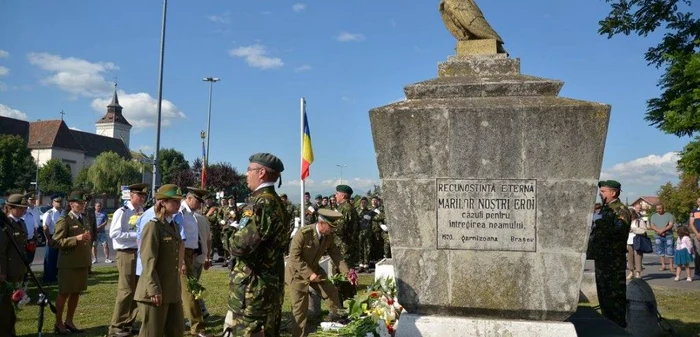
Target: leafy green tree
(55, 177)
(110, 171)
(679, 200)
(82, 181)
(171, 161)
(17, 167)
(677, 110)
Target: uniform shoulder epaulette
(307, 229)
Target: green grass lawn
(97, 303)
(94, 312)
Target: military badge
(248, 213)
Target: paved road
(654, 277)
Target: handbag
(642, 244)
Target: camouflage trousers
(236, 325)
(216, 242)
(612, 289)
(387, 245)
(366, 238)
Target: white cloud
(302, 68)
(140, 109)
(350, 37)
(6, 111)
(644, 176)
(74, 75)
(222, 19)
(256, 57)
(4, 70)
(4, 54)
(298, 7)
(346, 98)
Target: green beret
(77, 196)
(139, 188)
(610, 183)
(318, 196)
(329, 215)
(344, 188)
(17, 200)
(267, 160)
(197, 193)
(169, 191)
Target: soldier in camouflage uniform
(257, 278)
(291, 210)
(366, 234)
(347, 227)
(610, 247)
(211, 212)
(308, 214)
(382, 248)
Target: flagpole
(302, 209)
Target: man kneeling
(303, 271)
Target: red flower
(17, 295)
(390, 328)
(373, 294)
(390, 301)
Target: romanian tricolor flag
(204, 167)
(307, 153)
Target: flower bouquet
(17, 295)
(346, 290)
(195, 288)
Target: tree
(17, 167)
(183, 178)
(55, 177)
(224, 177)
(171, 161)
(82, 181)
(110, 171)
(679, 200)
(677, 110)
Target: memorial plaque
(487, 214)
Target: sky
(344, 57)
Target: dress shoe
(72, 328)
(58, 331)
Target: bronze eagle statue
(465, 21)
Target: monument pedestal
(489, 178)
(440, 326)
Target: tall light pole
(203, 135)
(156, 164)
(211, 81)
(341, 171)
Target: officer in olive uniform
(257, 278)
(12, 267)
(74, 242)
(610, 247)
(158, 288)
(347, 231)
(211, 212)
(122, 231)
(303, 271)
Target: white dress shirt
(31, 220)
(190, 226)
(50, 218)
(122, 230)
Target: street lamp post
(341, 171)
(156, 168)
(211, 81)
(205, 154)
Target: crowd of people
(162, 250)
(620, 234)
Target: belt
(127, 250)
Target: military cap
(17, 200)
(610, 183)
(57, 197)
(329, 215)
(77, 196)
(318, 196)
(197, 193)
(267, 160)
(230, 197)
(30, 196)
(169, 191)
(139, 188)
(344, 188)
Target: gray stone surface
(641, 310)
(440, 326)
(482, 119)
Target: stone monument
(489, 178)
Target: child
(683, 253)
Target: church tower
(113, 124)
